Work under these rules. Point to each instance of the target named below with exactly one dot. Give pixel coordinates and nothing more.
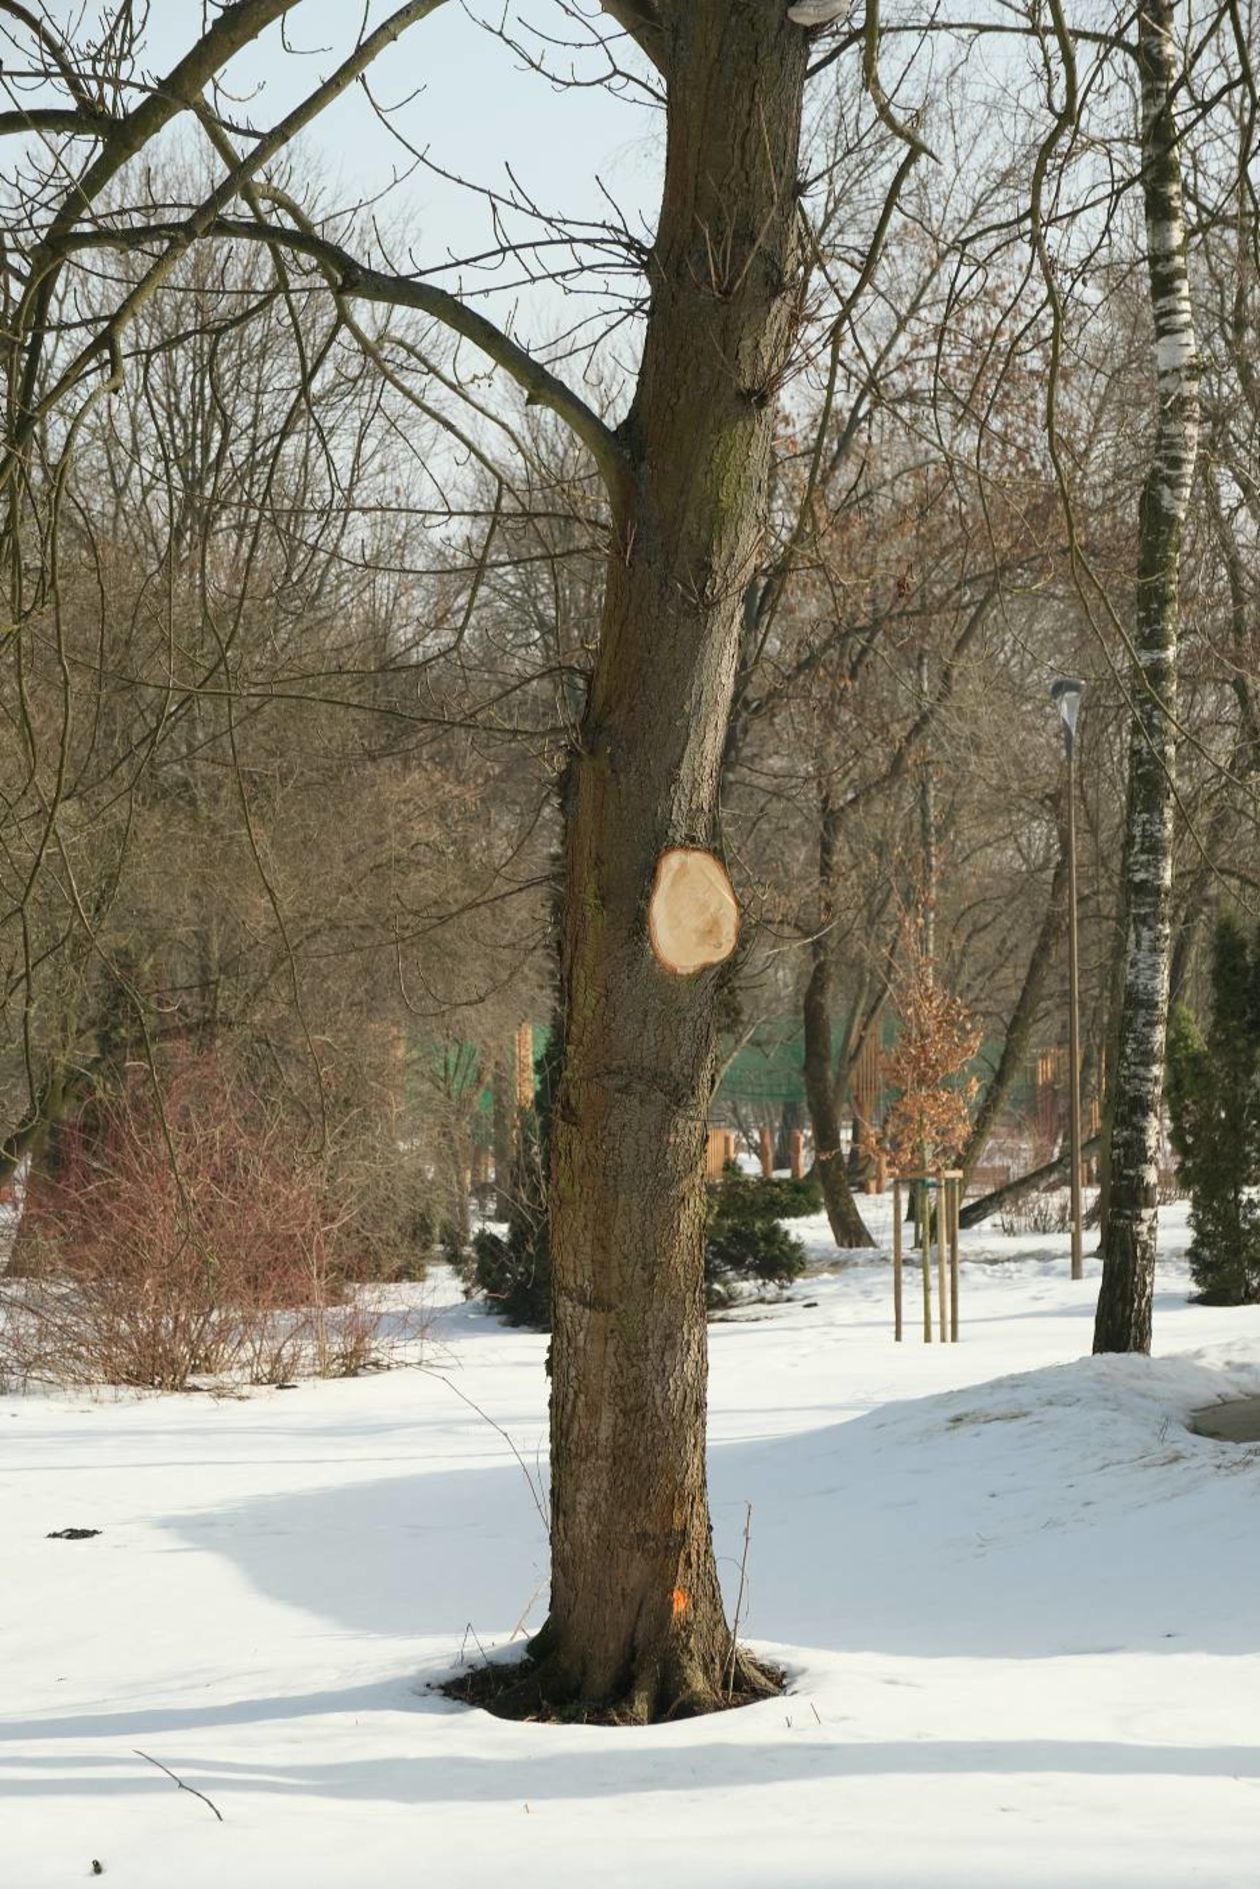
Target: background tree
(1214, 1096)
(748, 287)
(1128, 1246)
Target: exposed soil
(503, 1689)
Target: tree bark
(1123, 1320)
(1244, 760)
(637, 1626)
(505, 1135)
(459, 1180)
(847, 1225)
(978, 1211)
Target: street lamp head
(1066, 693)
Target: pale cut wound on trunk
(693, 920)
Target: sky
(465, 100)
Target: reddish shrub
(183, 1234)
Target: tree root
(543, 1687)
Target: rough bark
(1123, 1320)
(847, 1226)
(637, 1626)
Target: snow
(1016, 1595)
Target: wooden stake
(925, 1257)
(796, 1152)
(955, 1208)
(941, 1277)
(897, 1261)
(767, 1154)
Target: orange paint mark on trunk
(679, 1602)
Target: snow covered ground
(1018, 1598)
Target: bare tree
(731, 296)
(1124, 1304)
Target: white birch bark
(1129, 1235)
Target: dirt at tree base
(506, 1691)
(1235, 1421)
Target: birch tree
(1123, 1320)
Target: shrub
(744, 1245)
(180, 1236)
(794, 1199)
(384, 1229)
(745, 1241)
(1214, 1100)
(513, 1273)
(514, 1278)
(1048, 1212)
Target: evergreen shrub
(1214, 1100)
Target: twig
(529, 1605)
(179, 1781)
(486, 1418)
(470, 1629)
(739, 1597)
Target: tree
(845, 1219)
(1214, 1098)
(637, 1625)
(928, 1123)
(679, 488)
(1123, 1321)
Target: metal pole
(1074, 1048)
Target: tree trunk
(1129, 1233)
(1020, 1028)
(637, 1626)
(791, 1119)
(1110, 1060)
(978, 1211)
(843, 1215)
(506, 1137)
(459, 1181)
(847, 1226)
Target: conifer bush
(795, 1199)
(512, 1273)
(1214, 1100)
(745, 1242)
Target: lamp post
(1066, 695)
